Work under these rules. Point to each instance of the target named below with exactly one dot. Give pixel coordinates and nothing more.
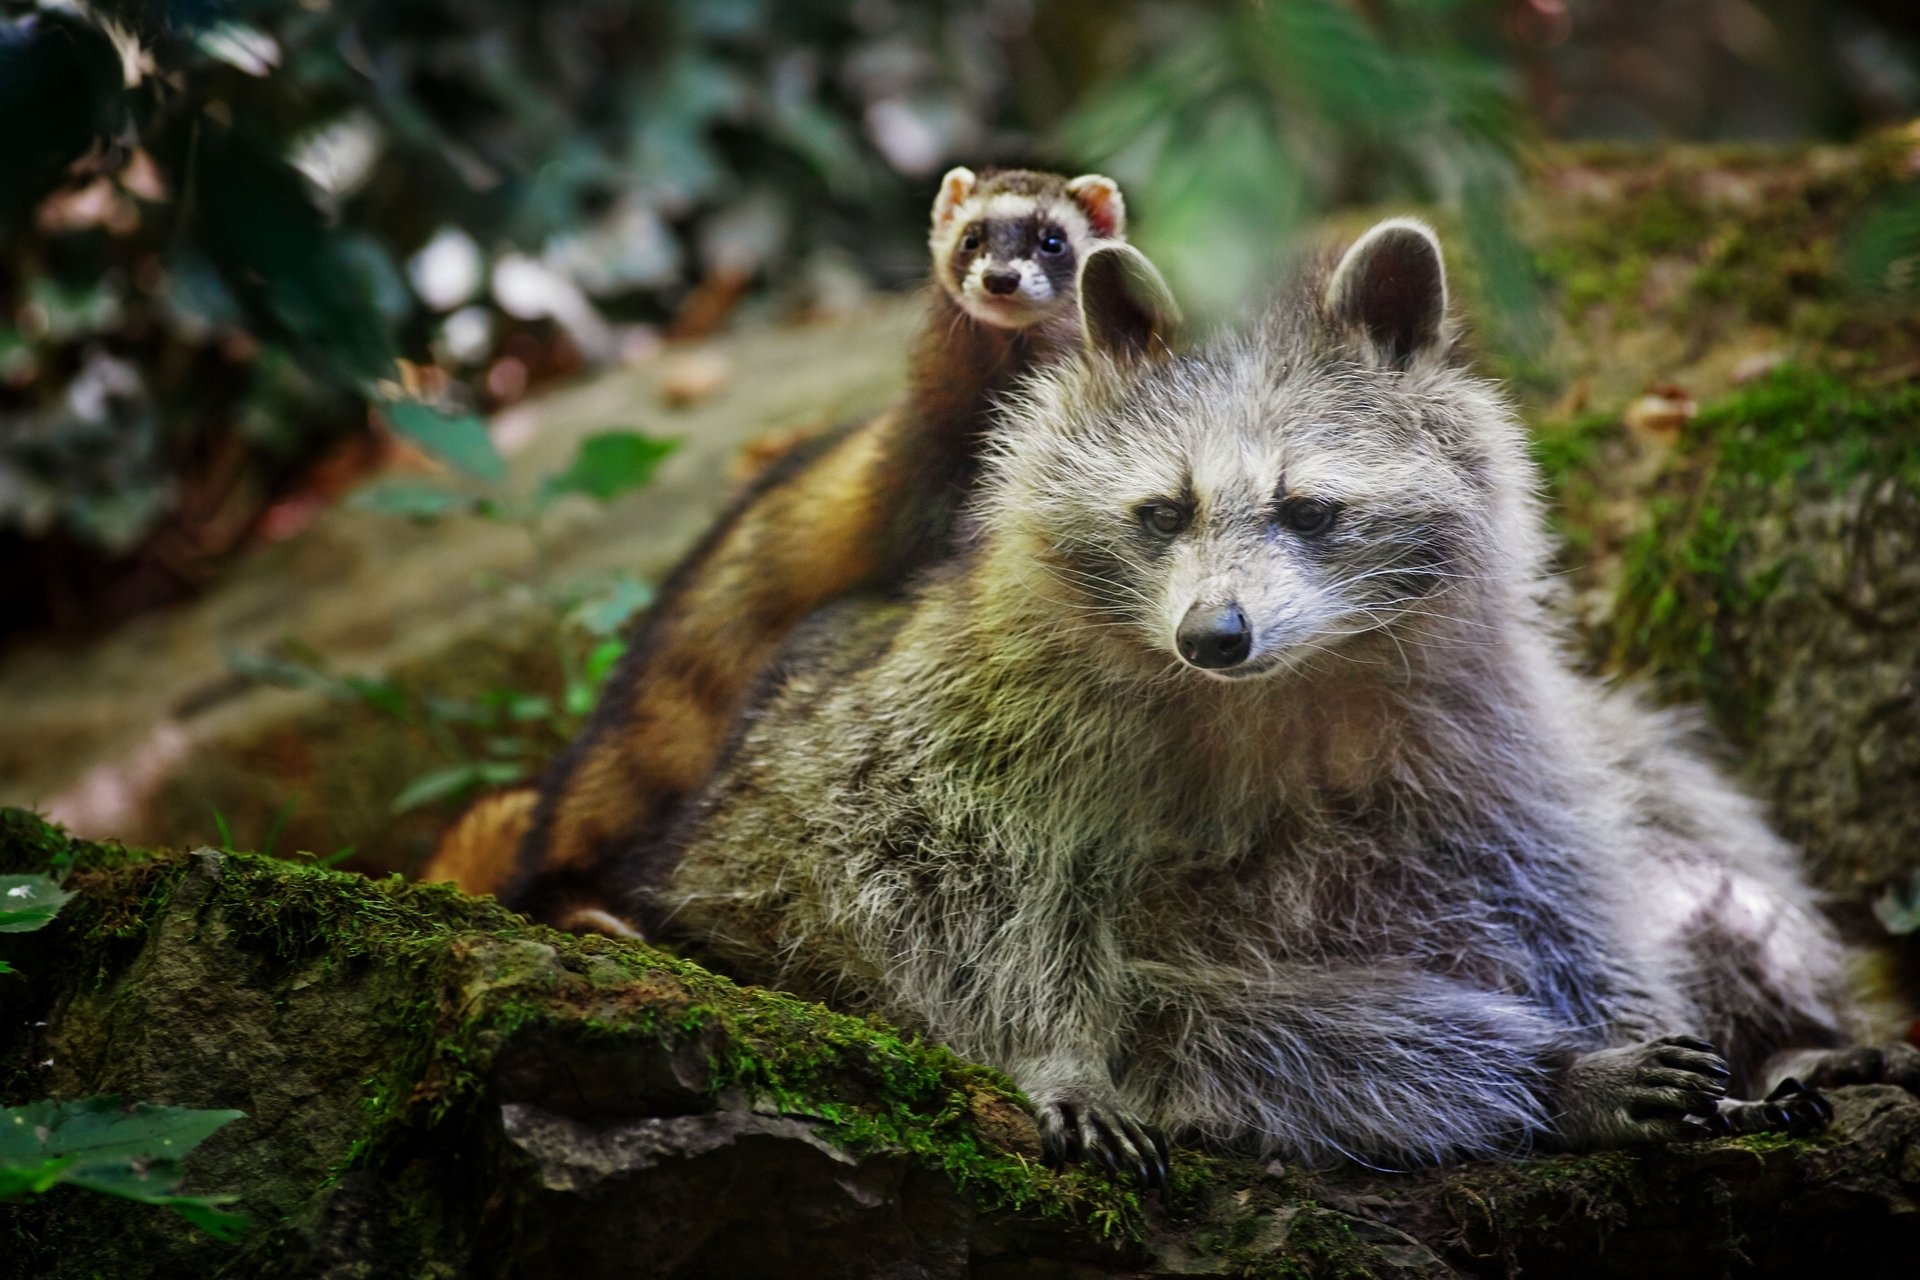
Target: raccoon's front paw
(1641, 1093)
(1897, 1064)
(1792, 1108)
(1077, 1127)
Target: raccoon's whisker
(1097, 584)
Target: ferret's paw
(1648, 1092)
(1896, 1063)
(1080, 1128)
(1792, 1108)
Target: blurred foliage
(506, 734)
(244, 241)
(1234, 123)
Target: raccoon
(1233, 786)
(858, 509)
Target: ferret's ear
(954, 190)
(1099, 198)
(1392, 286)
(1126, 309)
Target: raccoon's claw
(1075, 1131)
(1677, 1077)
(1792, 1108)
(1652, 1092)
(1680, 1072)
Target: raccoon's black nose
(1215, 637)
(1000, 281)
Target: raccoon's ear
(1126, 309)
(1100, 199)
(954, 189)
(1392, 286)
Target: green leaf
(1898, 907)
(204, 1212)
(288, 673)
(413, 499)
(29, 902)
(279, 824)
(6, 968)
(338, 856)
(602, 615)
(129, 1151)
(608, 465)
(600, 662)
(381, 695)
(20, 1181)
(254, 215)
(460, 441)
(104, 1129)
(442, 783)
(521, 707)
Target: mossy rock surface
(1731, 431)
(434, 1087)
(1776, 580)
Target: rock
(435, 1087)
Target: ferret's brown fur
(860, 508)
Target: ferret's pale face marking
(1006, 247)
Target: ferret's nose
(1214, 637)
(1000, 280)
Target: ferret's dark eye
(1307, 515)
(971, 242)
(1163, 519)
(1052, 243)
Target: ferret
(859, 509)
(1233, 786)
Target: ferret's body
(858, 509)
(1234, 784)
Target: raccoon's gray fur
(1234, 783)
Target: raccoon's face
(1007, 247)
(1238, 512)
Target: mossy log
(435, 1087)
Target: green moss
(1712, 235)
(457, 980)
(29, 843)
(1687, 575)
(1569, 453)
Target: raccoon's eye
(1307, 515)
(1052, 243)
(971, 241)
(1163, 519)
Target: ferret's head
(1327, 484)
(1007, 244)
